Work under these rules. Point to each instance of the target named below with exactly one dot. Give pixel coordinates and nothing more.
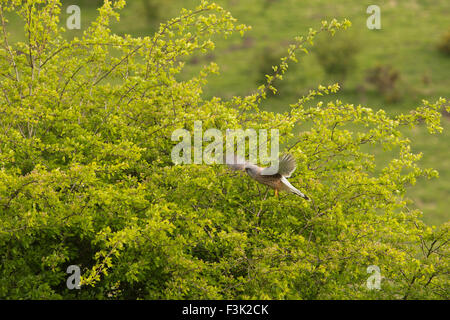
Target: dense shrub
(154, 9)
(86, 176)
(385, 78)
(337, 54)
(444, 43)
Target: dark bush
(337, 55)
(385, 78)
(444, 43)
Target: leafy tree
(86, 176)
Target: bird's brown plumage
(274, 176)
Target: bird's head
(251, 169)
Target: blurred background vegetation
(393, 68)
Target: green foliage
(86, 176)
(267, 58)
(83, 3)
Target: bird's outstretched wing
(235, 162)
(286, 166)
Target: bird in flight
(275, 179)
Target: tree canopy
(86, 176)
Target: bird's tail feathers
(293, 189)
(299, 193)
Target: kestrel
(277, 180)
